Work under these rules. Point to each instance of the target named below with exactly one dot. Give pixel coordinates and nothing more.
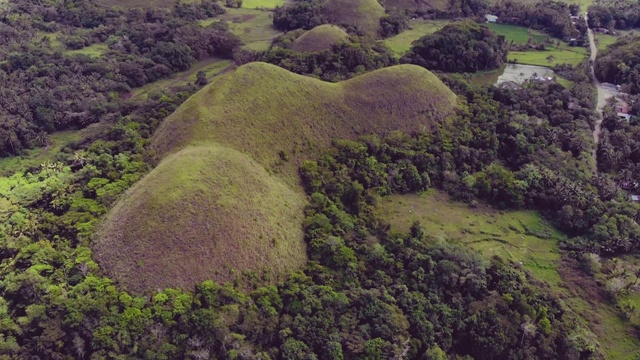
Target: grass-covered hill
(280, 118)
(226, 194)
(364, 14)
(320, 38)
(202, 212)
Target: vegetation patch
(320, 38)
(95, 50)
(414, 5)
(401, 43)
(552, 56)
(362, 14)
(254, 27)
(262, 4)
(201, 214)
(516, 34)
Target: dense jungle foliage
(459, 47)
(621, 15)
(620, 64)
(45, 89)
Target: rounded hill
(270, 113)
(226, 193)
(362, 14)
(201, 214)
(320, 38)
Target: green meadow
(401, 43)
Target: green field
(95, 50)
(262, 4)
(517, 34)
(234, 149)
(401, 43)
(37, 156)
(518, 236)
(254, 27)
(564, 54)
(211, 67)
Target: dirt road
(602, 96)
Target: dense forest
(621, 15)
(366, 292)
(620, 64)
(40, 83)
(459, 47)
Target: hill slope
(365, 14)
(214, 204)
(200, 213)
(320, 38)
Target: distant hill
(414, 5)
(365, 14)
(320, 38)
(226, 193)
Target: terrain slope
(320, 38)
(225, 196)
(363, 14)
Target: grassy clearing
(37, 156)
(262, 109)
(253, 27)
(262, 4)
(211, 66)
(227, 194)
(413, 5)
(515, 236)
(518, 236)
(204, 213)
(95, 50)
(563, 54)
(401, 43)
(320, 38)
(517, 34)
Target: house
(625, 116)
(491, 18)
(635, 198)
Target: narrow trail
(601, 93)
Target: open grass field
(262, 4)
(227, 184)
(365, 14)
(519, 236)
(211, 66)
(516, 34)
(320, 38)
(564, 54)
(37, 156)
(203, 213)
(414, 5)
(254, 27)
(401, 43)
(95, 50)
(604, 40)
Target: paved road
(602, 96)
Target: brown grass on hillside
(320, 38)
(203, 213)
(365, 14)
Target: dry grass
(266, 112)
(320, 38)
(202, 213)
(226, 194)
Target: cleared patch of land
(563, 54)
(227, 183)
(95, 50)
(211, 67)
(401, 43)
(518, 236)
(262, 4)
(363, 14)
(254, 27)
(320, 38)
(516, 34)
(203, 213)
(414, 5)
